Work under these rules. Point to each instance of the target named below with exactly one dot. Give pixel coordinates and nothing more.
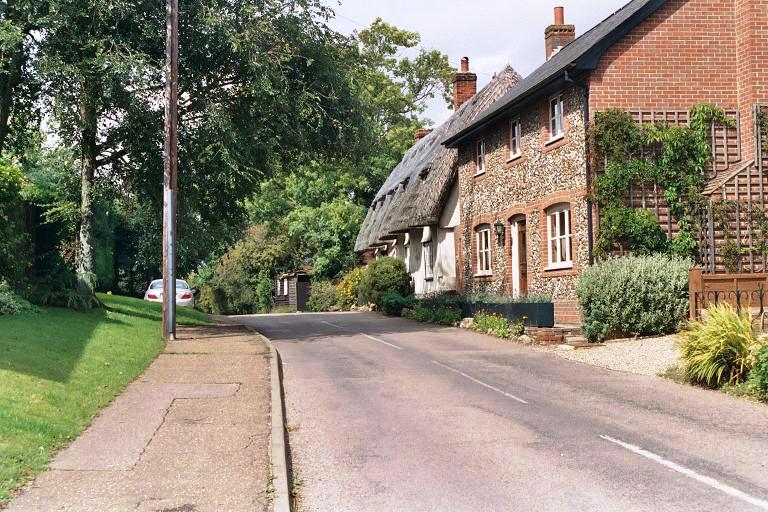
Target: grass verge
(59, 367)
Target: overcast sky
(492, 33)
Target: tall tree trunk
(86, 278)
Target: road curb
(278, 452)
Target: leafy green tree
(242, 280)
(18, 20)
(322, 202)
(97, 58)
(13, 262)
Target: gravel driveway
(646, 356)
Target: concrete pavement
(191, 434)
(390, 415)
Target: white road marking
(332, 324)
(454, 370)
(380, 341)
(706, 480)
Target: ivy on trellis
(674, 158)
(754, 240)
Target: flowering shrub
(349, 288)
(496, 325)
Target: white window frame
(515, 139)
(556, 114)
(480, 157)
(559, 233)
(484, 261)
(427, 250)
(277, 290)
(285, 286)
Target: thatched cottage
(415, 212)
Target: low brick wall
(567, 312)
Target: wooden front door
(519, 250)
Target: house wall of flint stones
(547, 174)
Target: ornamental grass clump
(720, 350)
(634, 296)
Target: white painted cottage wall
(443, 251)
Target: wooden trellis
(734, 221)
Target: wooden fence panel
(740, 290)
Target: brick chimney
(464, 84)
(421, 133)
(559, 34)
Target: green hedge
(325, 296)
(393, 303)
(635, 295)
(383, 276)
(12, 304)
(442, 315)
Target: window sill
(550, 273)
(554, 140)
(483, 276)
(515, 158)
(561, 266)
(429, 279)
(479, 174)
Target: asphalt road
(391, 415)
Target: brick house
(524, 168)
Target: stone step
(575, 339)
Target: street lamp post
(170, 158)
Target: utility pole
(170, 159)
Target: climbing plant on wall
(673, 158)
(753, 237)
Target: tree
(18, 20)
(321, 203)
(258, 90)
(99, 59)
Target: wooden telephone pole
(170, 158)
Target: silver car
(185, 296)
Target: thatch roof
(415, 191)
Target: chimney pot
(421, 133)
(558, 34)
(559, 16)
(464, 84)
